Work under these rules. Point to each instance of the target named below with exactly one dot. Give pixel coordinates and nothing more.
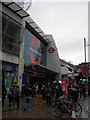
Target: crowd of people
(48, 92)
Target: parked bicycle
(63, 104)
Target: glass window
(13, 29)
(4, 22)
(11, 35)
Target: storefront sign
(51, 50)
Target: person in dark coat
(48, 93)
(76, 91)
(23, 91)
(4, 93)
(10, 96)
(43, 92)
(16, 95)
(28, 98)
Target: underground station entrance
(38, 74)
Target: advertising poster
(10, 81)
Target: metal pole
(85, 56)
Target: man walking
(16, 95)
(28, 98)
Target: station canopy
(39, 70)
(16, 8)
(31, 22)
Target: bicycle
(65, 104)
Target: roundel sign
(51, 50)
(32, 50)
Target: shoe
(24, 109)
(28, 110)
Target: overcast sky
(67, 22)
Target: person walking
(28, 98)
(48, 95)
(10, 96)
(4, 93)
(76, 89)
(16, 95)
(23, 91)
(43, 92)
(36, 89)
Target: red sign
(33, 41)
(51, 50)
(64, 87)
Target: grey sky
(67, 22)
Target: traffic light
(80, 77)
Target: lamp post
(85, 55)
(85, 44)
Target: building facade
(27, 53)
(81, 68)
(41, 60)
(67, 70)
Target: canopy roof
(16, 9)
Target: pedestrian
(36, 89)
(43, 92)
(16, 95)
(69, 87)
(28, 98)
(58, 91)
(76, 86)
(10, 96)
(48, 93)
(4, 93)
(23, 91)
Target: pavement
(86, 108)
(40, 110)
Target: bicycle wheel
(56, 110)
(78, 110)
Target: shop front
(9, 74)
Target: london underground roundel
(51, 50)
(32, 42)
